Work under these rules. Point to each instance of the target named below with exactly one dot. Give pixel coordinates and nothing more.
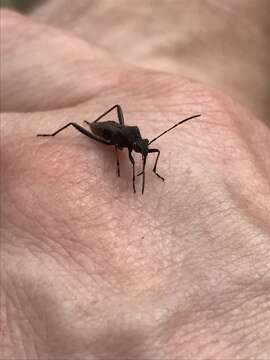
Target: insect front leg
(133, 166)
(143, 172)
(155, 166)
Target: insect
(121, 136)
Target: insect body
(121, 136)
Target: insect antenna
(174, 126)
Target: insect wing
(106, 130)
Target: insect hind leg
(117, 161)
(80, 129)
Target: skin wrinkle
(30, 322)
(239, 282)
(20, 227)
(196, 329)
(252, 330)
(15, 303)
(6, 313)
(5, 332)
(239, 345)
(112, 285)
(84, 268)
(185, 339)
(197, 221)
(14, 202)
(38, 244)
(249, 338)
(72, 262)
(231, 189)
(235, 307)
(230, 261)
(156, 281)
(254, 150)
(69, 256)
(255, 213)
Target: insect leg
(133, 165)
(117, 161)
(119, 114)
(80, 129)
(155, 166)
(143, 172)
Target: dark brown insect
(121, 136)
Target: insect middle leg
(133, 166)
(117, 161)
(143, 172)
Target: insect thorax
(122, 136)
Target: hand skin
(88, 269)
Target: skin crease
(88, 269)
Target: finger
(46, 68)
(224, 45)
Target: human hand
(90, 270)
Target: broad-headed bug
(121, 136)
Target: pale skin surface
(88, 269)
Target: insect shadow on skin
(122, 136)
